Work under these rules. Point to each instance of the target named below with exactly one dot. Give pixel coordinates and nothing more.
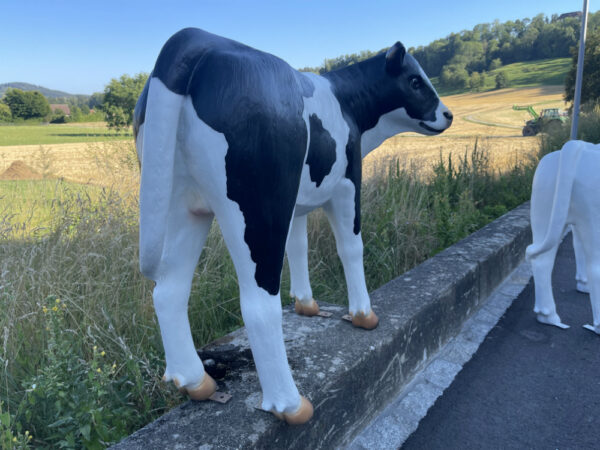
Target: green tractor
(549, 120)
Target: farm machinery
(548, 120)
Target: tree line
(461, 60)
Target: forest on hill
(489, 46)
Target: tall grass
(78, 320)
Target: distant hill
(48, 93)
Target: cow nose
(448, 115)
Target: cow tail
(565, 177)
(157, 155)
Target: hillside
(544, 72)
(48, 93)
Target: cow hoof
(201, 391)
(309, 310)
(551, 319)
(595, 329)
(582, 286)
(302, 414)
(368, 321)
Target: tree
(476, 81)
(26, 105)
(590, 86)
(501, 80)
(116, 117)
(454, 76)
(5, 114)
(120, 97)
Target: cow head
(415, 104)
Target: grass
(543, 72)
(57, 134)
(29, 205)
(78, 319)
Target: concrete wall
(349, 374)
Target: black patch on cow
(321, 150)
(255, 100)
(139, 112)
(366, 91)
(354, 171)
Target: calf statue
(565, 194)
(223, 130)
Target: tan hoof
(201, 391)
(302, 414)
(307, 310)
(368, 322)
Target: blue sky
(78, 46)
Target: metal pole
(578, 80)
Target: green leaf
(85, 431)
(5, 419)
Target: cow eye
(416, 83)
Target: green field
(57, 134)
(543, 72)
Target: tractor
(548, 120)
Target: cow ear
(394, 58)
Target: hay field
(108, 162)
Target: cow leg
(545, 306)
(262, 314)
(340, 211)
(592, 257)
(297, 254)
(184, 239)
(580, 265)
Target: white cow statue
(565, 193)
(223, 130)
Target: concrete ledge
(349, 374)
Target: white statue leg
(591, 253)
(545, 306)
(184, 239)
(340, 211)
(297, 254)
(262, 316)
(581, 269)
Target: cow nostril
(448, 115)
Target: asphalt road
(529, 386)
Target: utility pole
(578, 79)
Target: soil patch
(18, 170)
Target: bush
(501, 80)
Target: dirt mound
(18, 170)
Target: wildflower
(29, 437)
(55, 308)
(102, 353)
(95, 347)
(99, 370)
(15, 439)
(114, 366)
(45, 310)
(26, 433)
(57, 301)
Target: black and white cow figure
(225, 130)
